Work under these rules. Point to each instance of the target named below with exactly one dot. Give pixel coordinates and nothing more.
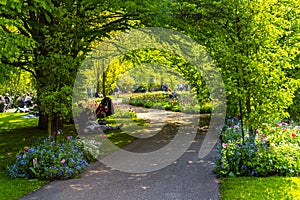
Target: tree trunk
(98, 85)
(57, 123)
(49, 127)
(43, 121)
(103, 84)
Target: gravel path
(186, 178)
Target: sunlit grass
(260, 188)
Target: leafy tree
(255, 44)
(50, 39)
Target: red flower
(294, 135)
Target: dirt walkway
(185, 178)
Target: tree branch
(19, 65)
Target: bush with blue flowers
(49, 159)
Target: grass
(260, 188)
(15, 134)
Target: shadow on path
(186, 178)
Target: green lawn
(270, 188)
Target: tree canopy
(255, 45)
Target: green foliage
(183, 102)
(16, 82)
(172, 69)
(273, 151)
(150, 76)
(294, 109)
(50, 39)
(255, 44)
(124, 113)
(256, 47)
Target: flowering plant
(181, 103)
(50, 160)
(123, 113)
(274, 149)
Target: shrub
(275, 150)
(182, 103)
(50, 160)
(123, 113)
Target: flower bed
(50, 160)
(128, 112)
(274, 150)
(181, 103)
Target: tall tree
(50, 39)
(255, 44)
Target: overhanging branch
(21, 65)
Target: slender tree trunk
(98, 85)
(248, 107)
(103, 81)
(49, 127)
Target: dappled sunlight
(139, 175)
(98, 171)
(81, 187)
(191, 151)
(14, 121)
